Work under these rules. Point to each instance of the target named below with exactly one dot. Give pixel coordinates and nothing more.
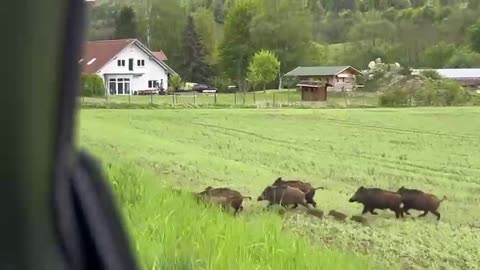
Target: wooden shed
(315, 82)
(313, 90)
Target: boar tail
(247, 197)
(443, 199)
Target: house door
(119, 86)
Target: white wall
(140, 75)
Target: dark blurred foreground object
(56, 209)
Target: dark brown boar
(376, 198)
(283, 195)
(223, 196)
(337, 215)
(306, 188)
(359, 219)
(419, 200)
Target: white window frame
(152, 84)
(122, 82)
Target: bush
(431, 74)
(396, 97)
(442, 93)
(92, 86)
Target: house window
(140, 62)
(152, 84)
(121, 63)
(119, 86)
(130, 64)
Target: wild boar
(224, 197)
(337, 215)
(306, 188)
(419, 200)
(283, 195)
(376, 198)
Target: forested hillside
(220, 37)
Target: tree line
(215, 41)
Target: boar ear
(362, 188)
(208, 188)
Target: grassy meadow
(271, 98)
(434, 149)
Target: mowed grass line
(434, 149)
(174, 232)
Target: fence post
(244, 97)
(235, 97)
(215, 98)
(194, 98)
(254, 98)
(273, 99)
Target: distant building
(126, 66)
(467, 77)
(315, 82)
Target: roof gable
(320, 71)
(99, 53)
(103, 51)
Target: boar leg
(405, 210)
(295, 206)
(424, 214)
(365, 210)
(436, 214)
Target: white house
(126, 66)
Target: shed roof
(320, 71)
(455, 73)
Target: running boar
(375, 198)
(337, 215)
(419, 200)
(306, 188)
(283, 195)
(224, 197)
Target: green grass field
(272, 98)
(434, 149)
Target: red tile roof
(102, 51)
(160, 56)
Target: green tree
(463, 58)
(195, 67)
(219, 11)
(205, 26)
(264, 67)
(474, 35)
(126, 24)
(175, 82)
(438, 55)
(236, 49)
(92, 86)
(289, 36)
(162, 24)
